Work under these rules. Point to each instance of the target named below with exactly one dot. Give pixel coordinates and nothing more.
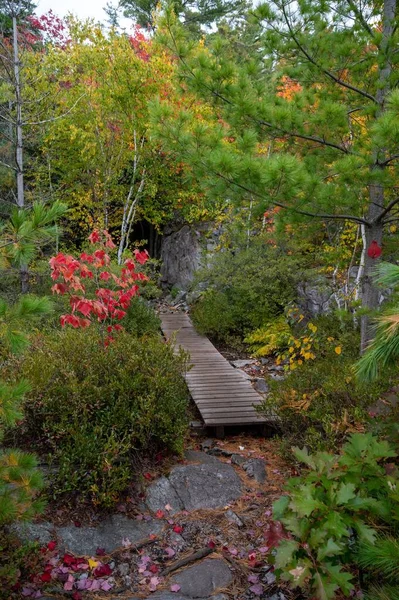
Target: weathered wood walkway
(222, 394)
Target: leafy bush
(320, 403)
(247, 288)
(271, 338)
(140, 318)
(338, 502)
(91, 408)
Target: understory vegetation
(269, 135)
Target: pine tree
(20, 480)
(308, 123)
(384, 349)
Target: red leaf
(178, 529)
(51, 546)
(159, 514)
(76, 596)
(147, 476)
(102, 571)
(100, 552)
(94, 237)
(45, 577)
(154, 569)
(211, 544)
(374, 250)
(274, 534)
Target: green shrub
(271, 338)
(141, 318)
(338, 503)
(247, 288)
(92, 409)
(320, 402)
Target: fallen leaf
(178, 529)
(126, 543)
(253, 578)
(51, 546)
(93, 563)
(168, 507)
(159, 514)
(170, 552)
(257, 589)
(175, 587)
(154, 582)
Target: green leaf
(303, 456)
(285, 553)
(335, 524)
(345, 492)
(331, 548)
(365, 532)
(302, 501)
(325, 590)
(280, 507)
(341, 578)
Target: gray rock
(278, 596)
(233, 518)
(123, 569)
(35, 532)
(200, 457)
(195, 486)
(181, 256)
(207, 444)
(162, 492)
(180, 297)
(275, 368)
(277, 377)
(220, 452)
(203, 579)
(108, 535)
(85, 540)
(255, 467)
(261, 386)
(238, 460)
(238, 364)
(244, 375)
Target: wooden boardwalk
(221, 392)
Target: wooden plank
(223, 396)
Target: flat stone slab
(193, 487)
(203, 579)
(85, 540)
(200, 457)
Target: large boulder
(191, 487)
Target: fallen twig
(187, 560)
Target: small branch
(390, 159)
(322, 69)
(361, 18)
(55, 118)
(186, 561)
(386, 210)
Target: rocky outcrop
(181, 257)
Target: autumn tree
(307, 123)
(100, 158)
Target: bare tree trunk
(24, 273)
(18, 102)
